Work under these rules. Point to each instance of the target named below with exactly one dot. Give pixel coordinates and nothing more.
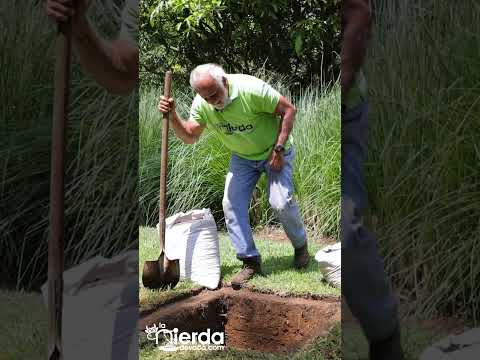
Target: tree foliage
(300, 38)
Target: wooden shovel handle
(163, 163)
(57, 173)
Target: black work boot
(388, 349)
(301, 258)
(251, 267)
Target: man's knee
(280, 203)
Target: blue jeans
(241, 179)
(364, 282)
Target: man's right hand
(166, 105)
(188, 131)
(62, 10)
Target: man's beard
(226, 101)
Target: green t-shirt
(247, 126)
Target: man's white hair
(214, 70)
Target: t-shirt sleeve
(129, 25)
(196, 112)
(264, 97)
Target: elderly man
(364, 282)
(254, 122)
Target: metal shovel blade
(161, 273)
(153, 274)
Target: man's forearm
(286, 127)
(356, 31)
(96, 58)
(178, 125)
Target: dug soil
(250, 320)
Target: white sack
(192, 238)
(100, 309)
(465, 346)
(330, 262)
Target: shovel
(162, 273)
(57, 172)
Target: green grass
(23, 326)
(277, 260)
(197, 172)
(423, 71)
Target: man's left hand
(276, 161)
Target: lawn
(277, 256)
(23, 316)
(23, 326)
(279, 278)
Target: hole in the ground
(251, 320)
